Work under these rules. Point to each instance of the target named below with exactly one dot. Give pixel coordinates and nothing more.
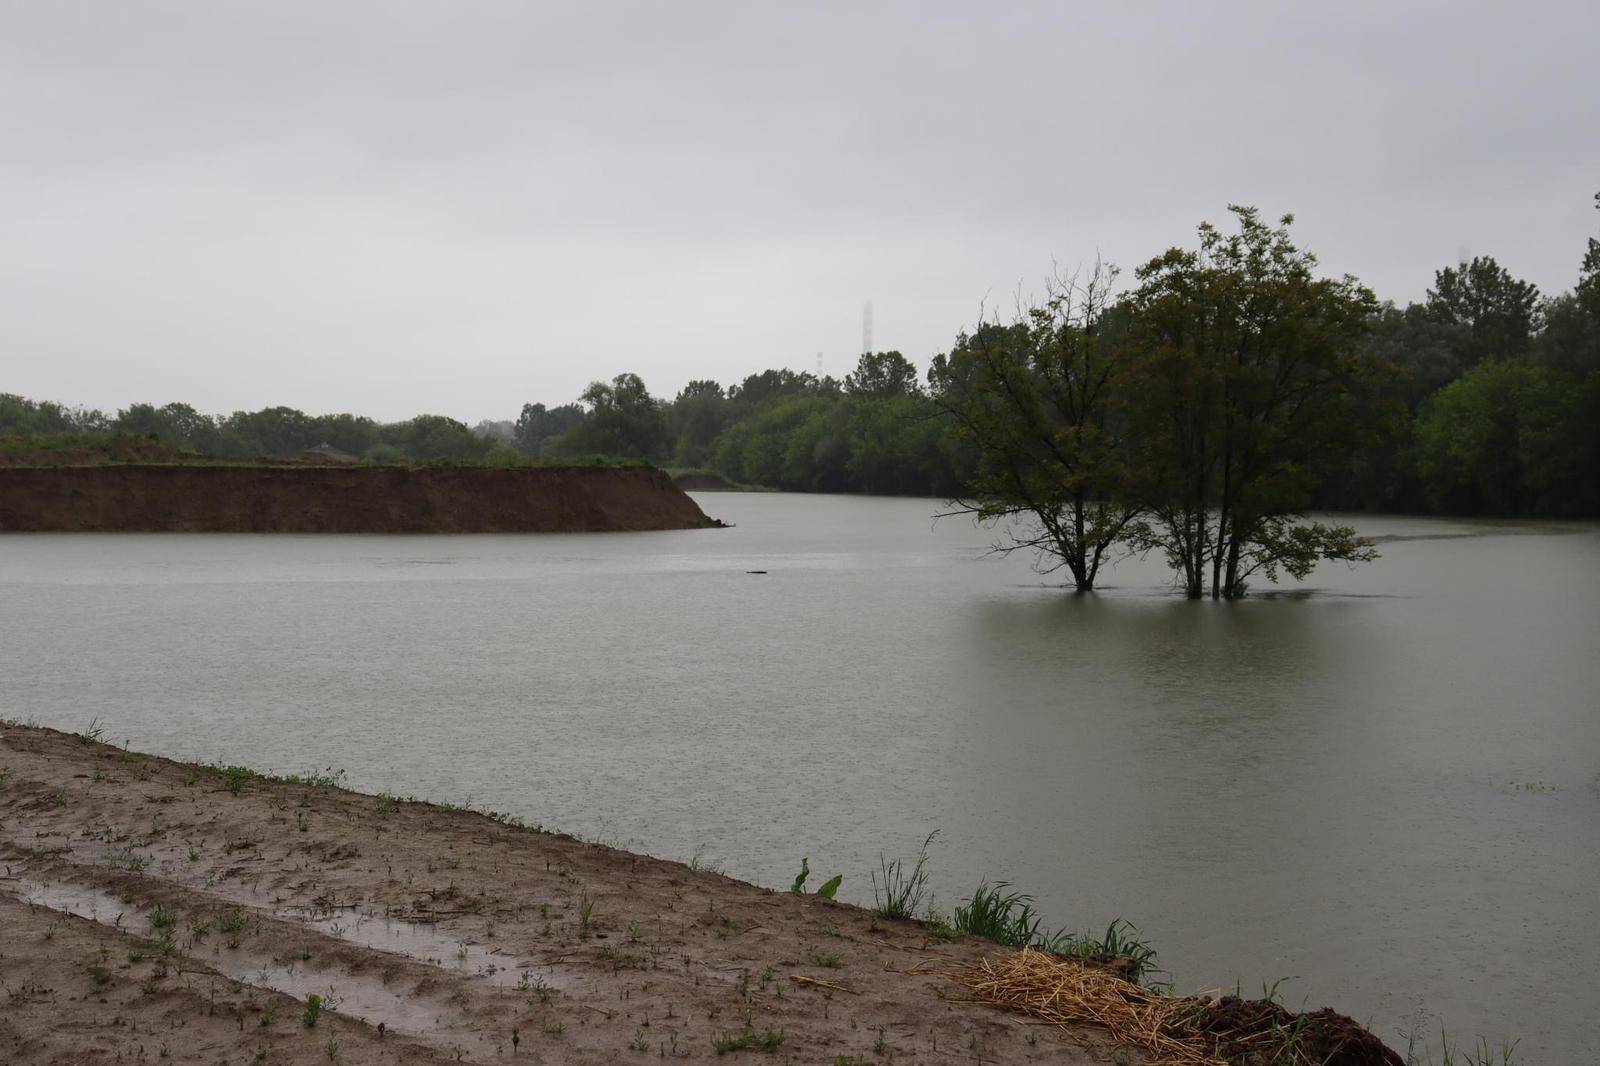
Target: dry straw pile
(1069, 993)
(1172, 1031)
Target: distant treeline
(1500, 387)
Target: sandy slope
(151, 912)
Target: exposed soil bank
(182, 498)
(153, 910)
(148, 906)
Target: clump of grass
(1008, 918)
(234, 778)
(1121, 939)
(903, 888)
(325, 778)
(939, 929)
(995, 914)
(163, 919)
(92, 732)
(312, 1012)
(699, 863)
(585, 915)
(828, 960)
(232, 924)
(769, 1041)
(1481, 1053)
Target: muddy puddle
(367, 997)
(420, 941)
(425, 943)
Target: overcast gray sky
(454, 207)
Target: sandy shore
(156, 911)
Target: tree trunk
(1233, 589)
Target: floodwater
(1382, 786)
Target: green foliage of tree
(896, 447)
(22, 417)
(622, 419)
(1587, 291)
(1511, 438)
(175, 424)
(881, 375)
(1247, 367)
(757, 390)
(537, 429)
(1570, 339)
(1428, 348)
(1499, 313)
(1043, 402)
(432, 438)
(696, 418)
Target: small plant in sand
(232, 924)
(234, 778)
(829, 888)
(938, 928)
(769, 1041)
(902, 889)
(163, 919)
(313, 1011)
(699, 863)
(585, 915)
(1482, 1053)
(92, 733)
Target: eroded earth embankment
(160, 911)
(185, 498)
(157, 911)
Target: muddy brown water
(1382, 787)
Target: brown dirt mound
(1252, 1031)
(321, 498)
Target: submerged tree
(1247, 367)
(1041, 401)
